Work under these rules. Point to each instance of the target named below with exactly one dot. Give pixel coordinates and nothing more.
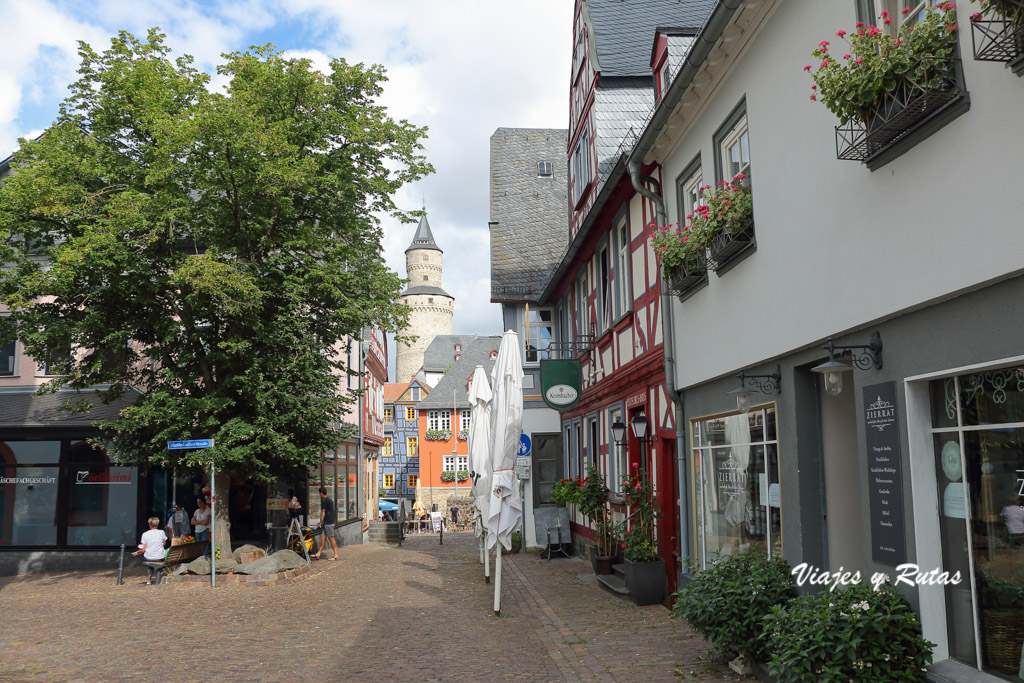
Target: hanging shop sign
(561, 383)
(885, 476)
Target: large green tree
(211, 250)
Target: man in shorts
(327, 519)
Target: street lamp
(639, 425)
(845, 360)
(766, 384)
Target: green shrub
(851, 634)
(728, 601)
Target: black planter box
(646, 581)
(681, 282)
(727, 246)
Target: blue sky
(461, 67)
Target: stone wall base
(279, 579)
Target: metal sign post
(205, 443)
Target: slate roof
(427, 289)
(621, 109)
(441, 351)
(623, 30)
(478, 352)
(423, 239)
(529, 213)
(23, 408)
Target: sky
(463, 68)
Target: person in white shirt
(201, 520)
(151, 547)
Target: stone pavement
(419, 613)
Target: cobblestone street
(419, 613)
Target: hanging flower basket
(997, 33)
(681, 281)
(885, 86)
(728, 245)
(899, 111)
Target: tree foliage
(211, 250)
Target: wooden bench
(178, 554)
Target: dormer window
(494, 355)
(458, 356)
(458, 347)
(543, 168)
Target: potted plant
(593, 503)
(517, 544)
(567, 491)
(717, 230)
(1002, 601)
(644, 570)
(884, 83)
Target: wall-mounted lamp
(766, 384)
(845, 360)
(639, 425)
(618, 431)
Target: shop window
(978, 451)
(29, 485)
(736, 481)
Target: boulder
(226, 565)
(248, 548)
(264, 565)
(289, 559)
(201, 566)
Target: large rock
(264, 565)
(289, 559)
(201, 566)
(237, 553)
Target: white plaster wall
(839, 246)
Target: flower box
(682, 281)
(907, 107)
(726, 246)
(999, 36)
(438, 434)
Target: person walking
(327, 518)
(152, 546)
(455, 516)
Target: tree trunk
(221, 524)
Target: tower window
(425, 278)
(430, 299)
(544, 168)
(426, 258)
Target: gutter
(705, 40)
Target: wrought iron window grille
(905, 108)
(997, 38)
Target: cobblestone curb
(279, 579)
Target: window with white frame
(414, 394)
(539, 332)
(463, 463)
(449, 463)
(439, 420)
(896, 13)
(623, 287)
(354, 380)
(690, 193)
(464, 417)
(735, 150)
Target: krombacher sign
(560, 383)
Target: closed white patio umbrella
(505, 506)
(480, 457)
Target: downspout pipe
(668, 354)
(706, 39)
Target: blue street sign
(195, 443)
(524, 444)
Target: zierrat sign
(561, 383)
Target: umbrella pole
(497, 579)
(487, 559)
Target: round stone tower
(432, 307)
